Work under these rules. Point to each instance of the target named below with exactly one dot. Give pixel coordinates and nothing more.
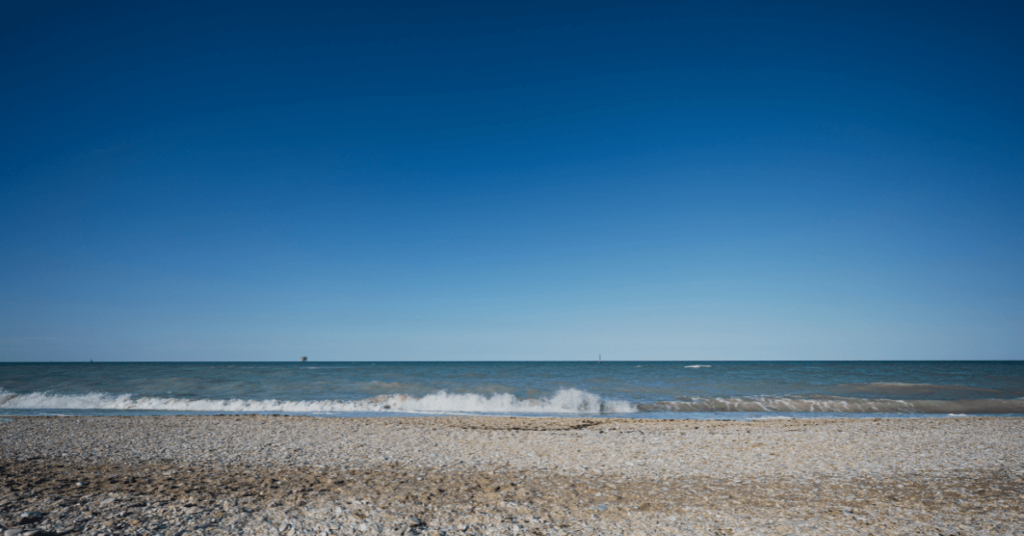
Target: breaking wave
(916, 390)
(565, 401)
(834, 404)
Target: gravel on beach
(280, 475)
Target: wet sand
(491, 475)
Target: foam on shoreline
(563, 402)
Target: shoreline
(258, 474)
(736, 417)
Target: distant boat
(303, 359)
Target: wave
(565, 401)
(697, 366)
(834, 404)
(949, 387)
(917, 390)
(903, 384)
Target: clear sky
(533, 180)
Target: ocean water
(703, 390)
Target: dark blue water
(638, 389)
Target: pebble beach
(286, 475)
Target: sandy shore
(482, 475)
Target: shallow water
(736, 390)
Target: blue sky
(704, 180)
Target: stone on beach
(302, 475)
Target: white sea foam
(565, 401)
(697, 366)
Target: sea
(635, 389)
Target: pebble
(268, 476)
